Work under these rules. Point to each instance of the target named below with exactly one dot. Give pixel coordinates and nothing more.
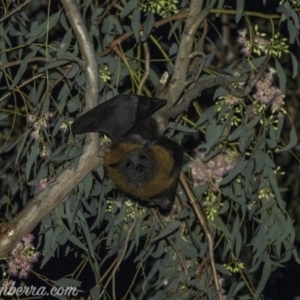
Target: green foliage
(236, 177)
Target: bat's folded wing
(118, 115)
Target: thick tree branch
(177, 83)
(179, 76)
(173, 91)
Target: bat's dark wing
(118, 116)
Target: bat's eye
(143, 157)
(129, 164)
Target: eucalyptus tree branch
(196, 89)
(59, 189)
(194, 19)
(175, 88)
(87, 50)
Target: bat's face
(137, 165)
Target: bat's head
(137, 166)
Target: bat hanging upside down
(143, 163)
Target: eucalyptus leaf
(72, 238)
(295, 64)
(171, 227)
(67, 282)
(65, 43)
(22, 69)
(240, 9)
(238, 168)
(293, 140)
(266, 271)
(95, 292)
(154, 269)
(128, 8)
(135, 23)
(148, 25)
(38, 31)
(32, 159)
(281, 75)
(87, 235)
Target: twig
(14, 11)
(117, 42)
(180, 16)
(200, 45)
(120, 260)
(246, 13)
(100, 19)
(203, 56)
(45, 60)
(203, 223)
(174, 246)
(108, 270)
(147, 67)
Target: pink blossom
(44, 154)
(12, 268)
(22, 257)
(242, 32)
(30, 118)
(42, 184)
(28, 238)
(64, 127)
(35, 135)
(213, 170)
(49, 115)
(23, 274)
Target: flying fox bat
(141, 161)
